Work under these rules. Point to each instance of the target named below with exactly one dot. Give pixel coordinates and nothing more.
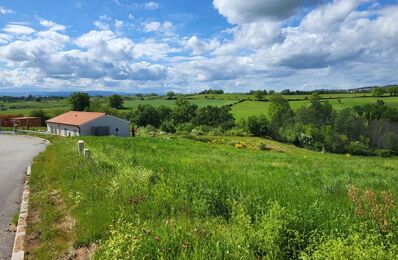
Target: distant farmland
(243, 105)
(249, 108)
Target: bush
(358, 148)
(116, 101)
(185, 128)
(168, 127)
(258, 125)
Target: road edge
(18, 252)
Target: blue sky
(188, 46)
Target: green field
(171, 103)
(25, 107)
(173, 198)
(249, 108)
(239, 110)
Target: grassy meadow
(239, 109)
(210, 198)
(249, 108)
(132, 104)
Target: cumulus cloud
(18, 29)
(344, 42)
(199, 46)
(238, 11)
(51, 25)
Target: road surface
(16, 154)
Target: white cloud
(157, 26)
(4, 10)
(151, 5)
(199, 47)
(335, 44)
(146, 5)
(18, 29)
(238, 11)
(118, 25)
(51, 25)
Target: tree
(79, 101)
(146, 115)
(378, 92)
(280, 113)
(184, 112)
(39, 113)
(317, 114)
(347, 123)
(115, 101)
(214, 116)
(259, 95)
(258, 125)
(170, 95)
(393, 90)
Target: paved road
(16, 153)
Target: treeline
(10, 99)
(184, 118)
(363, 130)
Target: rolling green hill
(223, 197)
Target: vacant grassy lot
(249, 108)
(25, 107)
(177, 198)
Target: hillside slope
(177, 198)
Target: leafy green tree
(97, 105)
(214, 116)
(317, 114)
(165, 113)
(280, 113)
(259, 95)
(378, 92)
(184, 111)
(170, 95)
(41, 114)
(79, 101)
(116, 101)
(258, 125)
(349, 124)
(146, 115)
(393, 90)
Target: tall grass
(177, 198)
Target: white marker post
(87, 153)
(80, 147)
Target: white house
(76, 123)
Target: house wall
(63, 130)
(113, 123)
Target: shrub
(258, 125)
(185, 128)
(168, 127)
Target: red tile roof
(75, 118)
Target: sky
(189, 45)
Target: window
(65, 131)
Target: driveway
(16, 154)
